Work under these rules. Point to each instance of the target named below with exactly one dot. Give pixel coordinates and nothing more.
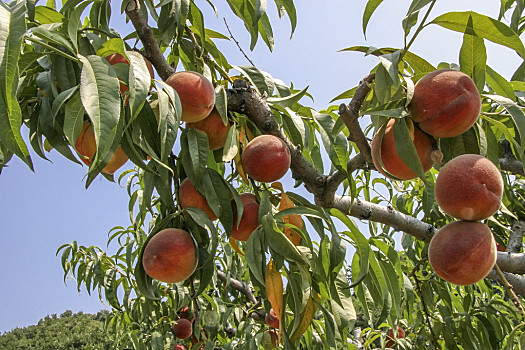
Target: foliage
(64, 332)
(53, 77)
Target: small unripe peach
(182, 328)
(86, 145)
(266, 158)
(170, 256)
(214, 128)
(446, 103)
(249, 219)
(469, 187)
(392, 161)
(190, 197)
(271, 319)
(462, 252)
(196, 93)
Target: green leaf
(99, 91)
(46, 15)
(292, 15)
(371, 6)
(12, 31)
(255, 77)
(53, 37)
(157, 341)
(406, 149)
(280, 243)
(113, 45)
(473, 59)
(255, 257)
(473, 23)
(139, 86)
(169, 114)
(73, 119)
(287, 101)
(74, 24)
(499, 84)
(181, 9)
(194, 153)
(410, 19)
(144, 282)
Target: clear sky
(45, 209)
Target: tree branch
(516, 237)
(151, 48)
(517, 282)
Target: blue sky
(45, 209)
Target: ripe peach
(182, 328)
(462, 252)
(249, 219)
(214, 128)
(446, 103)
(179, 347)
(391, 159)
(266, 158)
(271, 319)
(469, 187)
(118, 58)
(190, 197)
(86, 145)
(391, 336)
(170, 256)
(196, 93)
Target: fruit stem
(510, 290)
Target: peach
(266, 158)
(118, 58)
(170, 256)
(469, 187)
(214, 128)
(249, 219)
(446, 103)
(390, 342)
(392, 161)
(196, 93)
(182, 328)
(179, 347)
(462, 252)
(271, 319)
(86, 145)
(184, 312)
(190, 197)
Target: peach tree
(341, 257)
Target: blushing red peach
(462, 252)
(196, 93)
(190, 197)
(86, 146)
(249, 219)
(446, 103)
(266, 158)
(392, 161)
(214, 128)
(182, 328)
(170, 256)
(469, 187)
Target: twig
(350, 116)
(237, 43)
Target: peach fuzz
(190, 197)
(392, 161)
(462, 252)
(214, 128)
(249, 219)
(469, 187)
(196, 93)
(446, 103)
(266, 158)
(86, 145)
(170, 256)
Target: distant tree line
(65, 332)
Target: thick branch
(516, 237)
(151, 48)
(350, 116)
(517, 282)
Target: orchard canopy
(404, 188)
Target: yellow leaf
(235, 247)
(274, 289)
(307, 315)
(295, 220)
(240, 168)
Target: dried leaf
(307, 315)
(295, 220)
(274, 289)
(235, 247)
